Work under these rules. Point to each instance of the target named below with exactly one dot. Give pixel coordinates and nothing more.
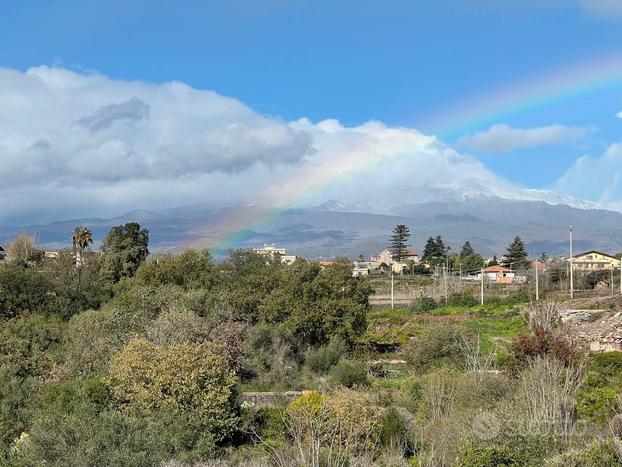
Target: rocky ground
(594, 323)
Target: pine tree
(400, 236)
(493, 261)
(440, 249)
(428, 250)
(516, 255)
(467, 249)
(435, 251)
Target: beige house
(594, 260)
(272, 251)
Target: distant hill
(337, 229)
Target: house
(385, 256)
(362, 268)
(497, 274)
(594, 260)
(412, 255)
(324, 263)
(271, 251)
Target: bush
(350, 373)
(438, 345)
(322, 359)
(597, 403)
(423, 304)
(462, 300)
(600, 453)
(544, 342)
(184, 378)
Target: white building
(272, 251)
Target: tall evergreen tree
(125, 247)
(401, 234)
(435, 251)
(516, 255)
(467, 249)
(429, 250)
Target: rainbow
(544, 89)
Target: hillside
(337, 229)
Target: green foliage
(471, 262)
(125, 248)
(597, 403)
(423, 304)
(323, 358)
(434, 251)
(467, 250)
(76, 287)
(438, 345)
(314, 305)
(183, 378)
(24, 290)
(525, 452)
(400, 236)
(599, 453)
(350, 373)
(464, 299)
(516, 255)
(190, 270)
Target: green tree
(82, 237)
(471, 262)
(435, 251)
(184, 378)
(24, 290)
(400, 236)
(493, 261)
(125, 248)
(516, 256)
(467, 249)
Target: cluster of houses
(386, 262)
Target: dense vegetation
(116, 359)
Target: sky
(111, 106)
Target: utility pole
(611, 271)
(537, 283)
(571, 267)
(392, 299)
(445, 283)
(481, 294)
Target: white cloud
(607, 9)
(502, 138)
(619, 115)
(597, 178)
(83, 145)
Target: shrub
(462, 300)
(350, 373)
(544, 342)
(438, 345)
(599, 453)
(597, 403)
(322, 359)
(423, 304)
(184, 378)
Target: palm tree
(82, 238)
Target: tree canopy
(399, 239)
(516, 256)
